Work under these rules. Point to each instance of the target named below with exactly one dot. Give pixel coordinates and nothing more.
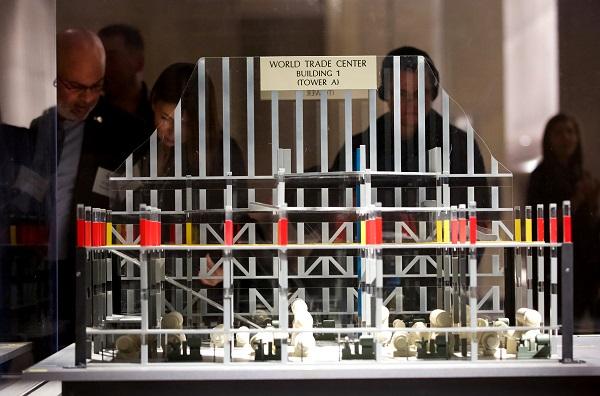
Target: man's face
(122, 63)
(409, 102)
(79, 85)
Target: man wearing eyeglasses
(92, 139)
(80, 67)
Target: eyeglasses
(80, 89)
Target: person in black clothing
(87, 138)
(560, 176)
(178, 84)
(409, 128)
(124, 86)
(409, 150)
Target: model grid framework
(295, 278)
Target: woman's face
(564, 140)
(163, 121)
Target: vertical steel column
(397, 117)
(447, 260)
(81, 314)
(283, 270)
(378, 289)
(178, 202)
(348, 146)
(529, 261)
(226, 126)
(445, 133)
(129, 270)
(456, 300)
(518, 258)
(397, 129)
(367, 274)
(202, 124)
(228, 282)
(541, 290)
(471, 160)
(554, 289)
(553, 238)
(226, 118)
(509, 284)
(227, 303)
(348, 165)
(473, 301)
(464, 293)
(540, 263)
(567, 302)
(274, 149)
(324, 161)
(421, 122)
(154, 167)
(300, 169)
(274, 133)
(373, 138)
(372, 130)
(144, 292)
(112, 275)
(439, 281)
(251, 148)
(189, 240)
(202, 118)
(365, 199)
(470, 149)
(250, 122)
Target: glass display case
(28, 282)
(405, 245)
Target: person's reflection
(124, 86)
(23, 245)
(164, 97)
(408, 108)
(409, 112)
(178, 84)
(560, 176)
(83, 139)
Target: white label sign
(309, 73)
(316, 95)
(101, 182)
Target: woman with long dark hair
(177, 84)
(561, 176)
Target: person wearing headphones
(409, 120)
(409, 151)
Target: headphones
(408, 61)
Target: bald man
(80, 66)
(92, 139)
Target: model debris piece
(404, 343)
(246, 253)
(303, 342)
(361, 349)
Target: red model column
(80, 225)
(540, 223)
(567, 222)
(472, 222)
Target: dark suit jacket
(409, 152)
(110, 135)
